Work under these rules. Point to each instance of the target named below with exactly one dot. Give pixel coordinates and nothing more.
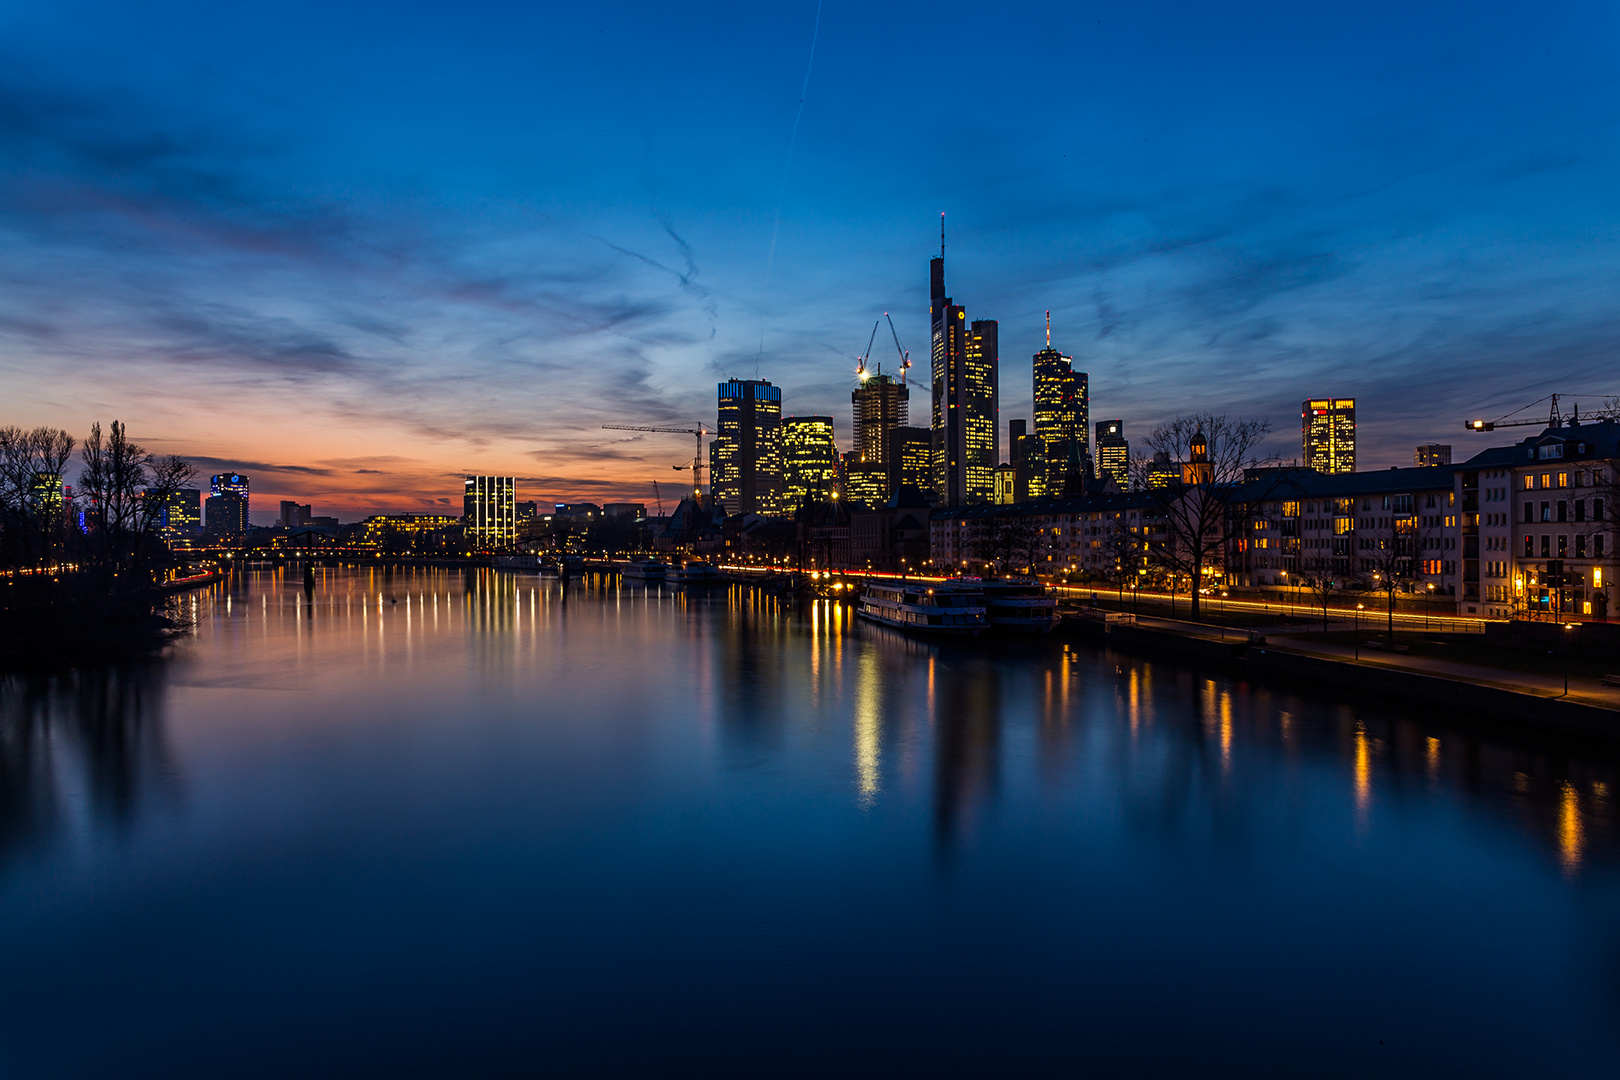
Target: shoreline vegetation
(82, 570)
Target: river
(424, 822)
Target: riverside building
(746, 458)
(965, 369)
(809, 460)
(489, 511)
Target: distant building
(912, 455)
(633, 511)
(1161, 471)
(379, 529)
(489, 511)
(294, 514)
(880, 408)
(229, 517)
(1023, 455)
(965, 366)
(746, 458)
(182, 514)
(1328, 433)
(1062, 421)
(809, 460)
(527, 510)
(1114, 453)
(1006, 484)
(1431, 454)
(226, 515)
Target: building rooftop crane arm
(862, 360)
(905, 357)
(697, 459)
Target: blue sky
(360, 250)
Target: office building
(294, 514)
(1023, 455)
(1006, 484)
(182, 514)
(1431, 454)
(1062, 422)
(880, 407)
(226, 515)
(632, 511)
(809, 460)
(913, 456)
(965, 361)
(526, 510)
(746, 458)
(379, 529)
(489, 512)
(1328, 432)
(1114, 453)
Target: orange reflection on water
(1571, 830)
(1363, 774)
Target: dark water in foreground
(453, 825)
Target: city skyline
(359, 284)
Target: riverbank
(1567, 697)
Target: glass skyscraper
(489, 511)
(746, 457)
(1328, 432)
(227, 509)
(965, 407)
(1114, 453)
(809, 460)
(1062, 422)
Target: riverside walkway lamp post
(1358, 630)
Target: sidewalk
(1582, 689)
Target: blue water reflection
(420, 822)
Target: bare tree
(1125, 550)
(1199, 516)
(32, 512)
(125, 491)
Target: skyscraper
(809, 460)
(1328, 431)
(182, 513)
(1432, 454)
(1114, 453)
(1062, 420)
(913, 453)
(489, 511)
(964, 419)
(1023, 455)
(746, 457)
(880, 407)
(227, 510)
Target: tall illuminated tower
(226, 512)
(1328, 432)
(747, 454)
(1114, 453)
(809, 460)
(880, 406)
(965, 362)
(1062, 420)
(489, 511)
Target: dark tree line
(82, 575)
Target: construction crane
(658, 498)
(697, 460)
(1554, 418)
(905, 357)
(861, 361)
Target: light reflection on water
(470, 822)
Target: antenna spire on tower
(942, 234)
(1048, 328)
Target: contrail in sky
(770, 257)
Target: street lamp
(1358, 630)
(1428, 610)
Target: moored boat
(1022, 605)
(694, 573)
(649, 571)
(918, 607)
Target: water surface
(435, 823)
